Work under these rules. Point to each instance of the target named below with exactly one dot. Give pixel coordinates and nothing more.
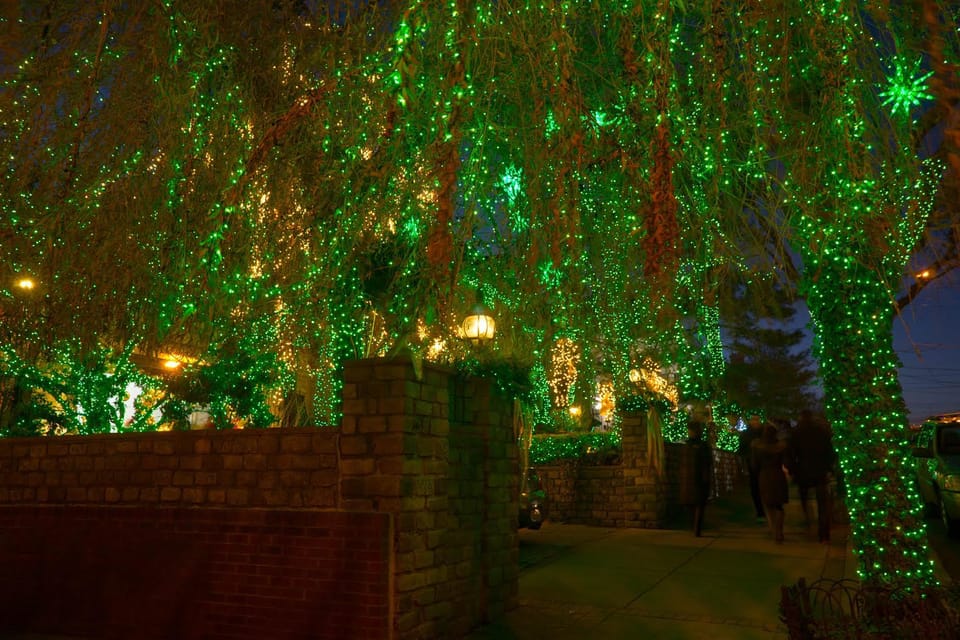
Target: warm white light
(635, 376)
(26, 284)
(923, 275)
(171, 364)
(574, 410)
(479, 326)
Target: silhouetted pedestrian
(753, 432)
(768, 457)
(811, 459)
(697, 472)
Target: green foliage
(240, 379)
(79, 391)
(633, 404)
(597, 446)
(511, 378)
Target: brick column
(450, 483)
(644, 503)
(493, 414)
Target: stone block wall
(251, 468)
(726, 475)
(641, 491)
(446, 465)
(628, 494)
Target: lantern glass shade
(479, 326)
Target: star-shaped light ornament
(907, 87)
(549, 275)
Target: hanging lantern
(479, 326)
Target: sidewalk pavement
(581, 582)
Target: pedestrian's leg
(804, 495)
(778, 524)
(755, 492)
(698, 518)
(824, 510)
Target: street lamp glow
(479, 326)
(25, 283)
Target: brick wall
(633, 493)
(253, 468)
(435, 452)
(726, 474)
(177, 572)
(448, 461)
(628, 494)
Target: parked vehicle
(533, 502)
(938, 468)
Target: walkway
(579, 582)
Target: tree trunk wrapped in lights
(855, 233)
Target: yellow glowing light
(606, 401)
(635, 376)
(649, 377)
(478, 327)
(575, 410)
(26, 284)
(564, 358)
(436, 348)
(173, 361)
(925, 274)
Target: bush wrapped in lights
(598, 447)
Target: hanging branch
(663, 231)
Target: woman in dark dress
(697, 472)
(768, 454)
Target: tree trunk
(864, 402)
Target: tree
(346, 182)
(769, 368)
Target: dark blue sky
(927, 339)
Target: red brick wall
(434, 452)
(158, 572)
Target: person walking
(811, 459)
(744, 449)
(768, 453)
(697, 472)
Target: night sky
(927, 340)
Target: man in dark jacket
(811, 459)
(754, 430)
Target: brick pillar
(493, 414)
(438, 452)
(644, 503)
(394, 458)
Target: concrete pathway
(579, 582)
